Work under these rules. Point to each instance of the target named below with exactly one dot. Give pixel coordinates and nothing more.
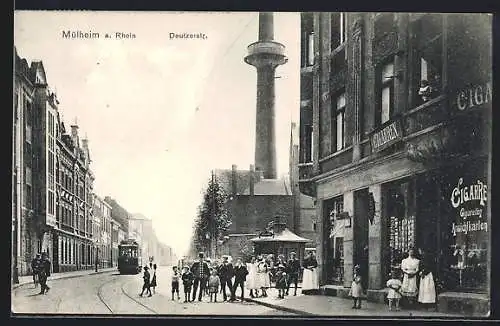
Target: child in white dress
(394, 284)
(356, 288)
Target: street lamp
(96, 254)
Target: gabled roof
(38, 69)
(284, 236)
(224, 177)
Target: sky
(160, 113)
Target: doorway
(360, 233)
(427, 211)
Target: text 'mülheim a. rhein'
(68, 34)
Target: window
(310, 49)
(386, 97)
(338, 123)
(338, 29)
(51, 203)
(308, 143)
(28, 112)
(307, 39)
(334, 234)
(429, 50)
(384, 23)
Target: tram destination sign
(386, 136)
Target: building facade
(23, 218)
(395, 139)
(72, 235)
(102, 232)
(52, 180)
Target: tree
(212, 220)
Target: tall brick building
(395, 136)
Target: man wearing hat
(201, 274)
(44, 273)
(293, 272)
(35, 264)
(226, 273)
(240, 276)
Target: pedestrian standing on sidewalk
(44, 273)
(356, 291)
(281, 281)
(252, 275)
(226, 273)
(213, 285)
(293, 272)
(394, 285)
(240, 276)
(201, 274)
(410, 268)
(310, 279)
(35, 265)
(146, 286)
(263, 276)
(187, 283)
(427, 288)
(175, 282)
(153, 279)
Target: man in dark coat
(44, 273)
(293, 272)
(226, 273)
(201, 274)
(35, 265)
(240, 276)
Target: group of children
(394, 284)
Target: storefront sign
(470, 217)
(387, 136)
(473, 96)
(462, 194)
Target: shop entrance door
(55, 253)
(360, 233)
(427, 198)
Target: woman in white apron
(251, 282)
(427, 288)
(410, 268)
(310, 277)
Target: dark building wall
(250, 214)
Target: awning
(283, 236)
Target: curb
(15, 286)
(282, 308)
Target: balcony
(425, 116)
(266, 52)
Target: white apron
(310, 279)
(427, 290)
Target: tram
(129, 260)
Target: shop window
(338, 29)
(467, 233)
(335, 251)
(401, 225)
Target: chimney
(74, 133)
(266, 55)
(252, 180)
(233, 179)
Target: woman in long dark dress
(153, 279)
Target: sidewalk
(23, 280)
(329, 306)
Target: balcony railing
(426, 115)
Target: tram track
(122, 288)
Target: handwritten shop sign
(473, 96)
(470, 199)
(386, 136)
